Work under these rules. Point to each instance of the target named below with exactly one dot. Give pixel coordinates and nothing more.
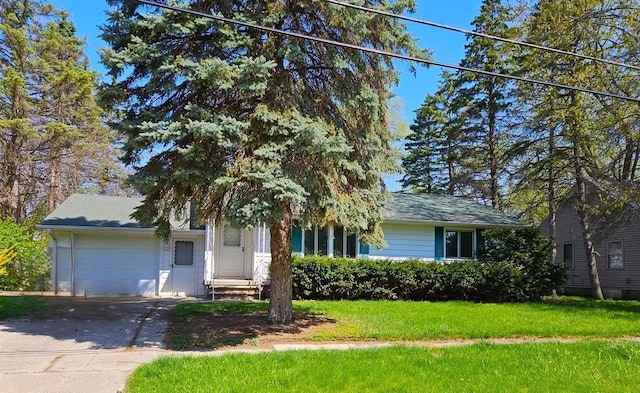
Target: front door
(183, 267)
(231, 261)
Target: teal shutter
(363, 251)
(439, 243)
(296, 239)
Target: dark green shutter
(439, 243)
(296, 239)
(479, 240)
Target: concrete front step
(235, 289)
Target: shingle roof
(444, 209)
(84, 210)
(99, 211)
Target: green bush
(28, 270)
(513, 266)
(530, 252)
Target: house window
(459, 244)
(317, 241)
(567, 254)
(183, 253)
(615, 255)
(231, 236)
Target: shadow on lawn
(577, 304)
(212, 325)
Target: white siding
(406, 241)
(61, 275)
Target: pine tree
(256, 126)
(52, 139)
(483, 104)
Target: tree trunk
(551, 196)
(587, 237)
(585, 221)
(280, 304)
(494, 188)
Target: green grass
(555, 317)
(396, 321)
(19, 306)
(578, 367)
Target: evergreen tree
(483, 104)
(256, 126)
(52, 140)
(423, 164)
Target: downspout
(73, 265)
(54, 261)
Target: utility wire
(385, 53)
(477, 34)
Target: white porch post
(209, 240)
(330, 235)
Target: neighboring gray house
(618, 257)
(98, 249)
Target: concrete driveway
(82, 345)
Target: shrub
(28, 269)
(514, 266)
(6, 255)
(530, 252)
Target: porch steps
(235, 289)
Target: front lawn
(579, 367)
(19, 306)
(214, 324)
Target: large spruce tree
(254, 126)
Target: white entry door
(183, 266)
(232, 261)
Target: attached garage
(97, 249)
(115, 265)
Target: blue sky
(448, 47)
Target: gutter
(88, 228)
(110, 229)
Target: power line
(385, 53)
(477, 34)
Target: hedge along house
(97, 249)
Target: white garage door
(120, 265)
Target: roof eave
(455, 223)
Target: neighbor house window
(319, 241)
(459, 244)
(567, 255)
(615, 255)
(183, 253)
